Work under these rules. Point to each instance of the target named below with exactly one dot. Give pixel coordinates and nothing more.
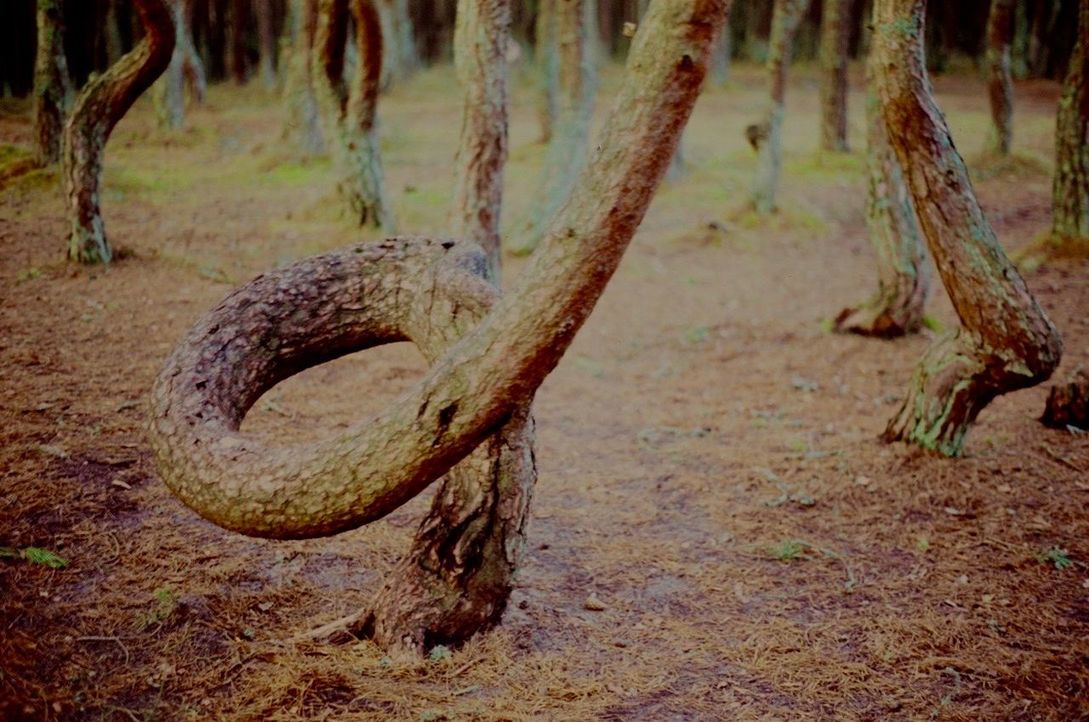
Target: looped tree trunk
(1006, 341)
(100, 105)
(52, 87)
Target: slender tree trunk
(767, 136)
(835, 36)
(1000, 77)
(267, 42)
(349, 111)
(903, 278)
(566, 155)
(1070, 187)
(722, 56)
(192, 64)
(52, 87)
(547, 61)
(402, 289)
(303, 121)
(169, 91)
(238, 20)
(1006, 342)
(101, 103)
(480, 54)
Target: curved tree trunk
(318, 309)
(1000, 75)
(349, 112)
(101, 103)
(52, 87)
(1006, 341)
(835, 38)
(266, 40)
(303, 121)
(566, 154)
(903, 278)
(169, 91)
(480, 54)
(1070, 188)
(767, 136)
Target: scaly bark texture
(835, 39)
(566, 154)
(766, 137)
(1070, 187)
(52, 87)
(349, 111)
(318, 309)
(266, 39)
(903, 278)
(1006, 341)
(102, 102)
(1000, 75)
(480, 54)
(303, 124)
(185, 65)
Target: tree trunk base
(881, 317)
(1068, 404)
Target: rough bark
(767, 136)
(266, 40)
(567, 150)
(349, 111)
(1070, 186)
(1006, 341)
(480, 54)
(303, 124)
(184, 64)
(1000, 75)
(52, 87)
(294, 318)
(100, 105)
(903, 278)
(1068, 404)
(835, 37)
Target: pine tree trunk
(238, 20)
(722, 56)
(100, 105)
(267, 42)
(566, 154)
(835, 35)
(169, 91)
(547, 62)
(192, 64)
(303, 123)
(52, 87)
(767, 136)
(349, 111)
(1000, 76)
(429, 292)
(480, 54)
(903, 278)
(1006, 341)
(1070, 187)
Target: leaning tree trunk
(566, 154)
(903, 278)
(480, 54)
(303, 121)
(266, 39)
(52, 87)
(103, 101)
(349, 113)
(1070, 187)
(835, 38)
(1000, 75)
(1006, 341)
(169, 92)
(477, 389)
(767, 136)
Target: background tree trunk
(480, 53)
(192, 65)
(1006, 341)
(52, 88)
(1070, 187)
(835, 36)
(169, 92)
(237, 23)
(1000, 76)
(767, 136)
(303, 121)
(101, 103)
(547, 62)
(266, 41)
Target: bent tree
(766, 137)
(1000, 75)
(52, 87)
(1006, 341)
(349, 111)
(1070, 187)
(99, 106)
(476, 391)
(835, 39)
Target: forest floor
(708, 453)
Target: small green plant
(166, 601)
(788, 550)
(35, 555)
(28, 274)
(1057, 556)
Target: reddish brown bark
(266, 40)
(1068, 404)
(835, 37)
(1000, 75)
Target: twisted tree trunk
(349, 113)
(1000, 76)
(766, 137)
(1070, 187)
(835, 38)
(481, 385)
(184, 65)
(102, 102)
(52, 87)
(1006, 341)
(903, 279)
(480, 54)
(303, 121)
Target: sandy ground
(709, 467)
